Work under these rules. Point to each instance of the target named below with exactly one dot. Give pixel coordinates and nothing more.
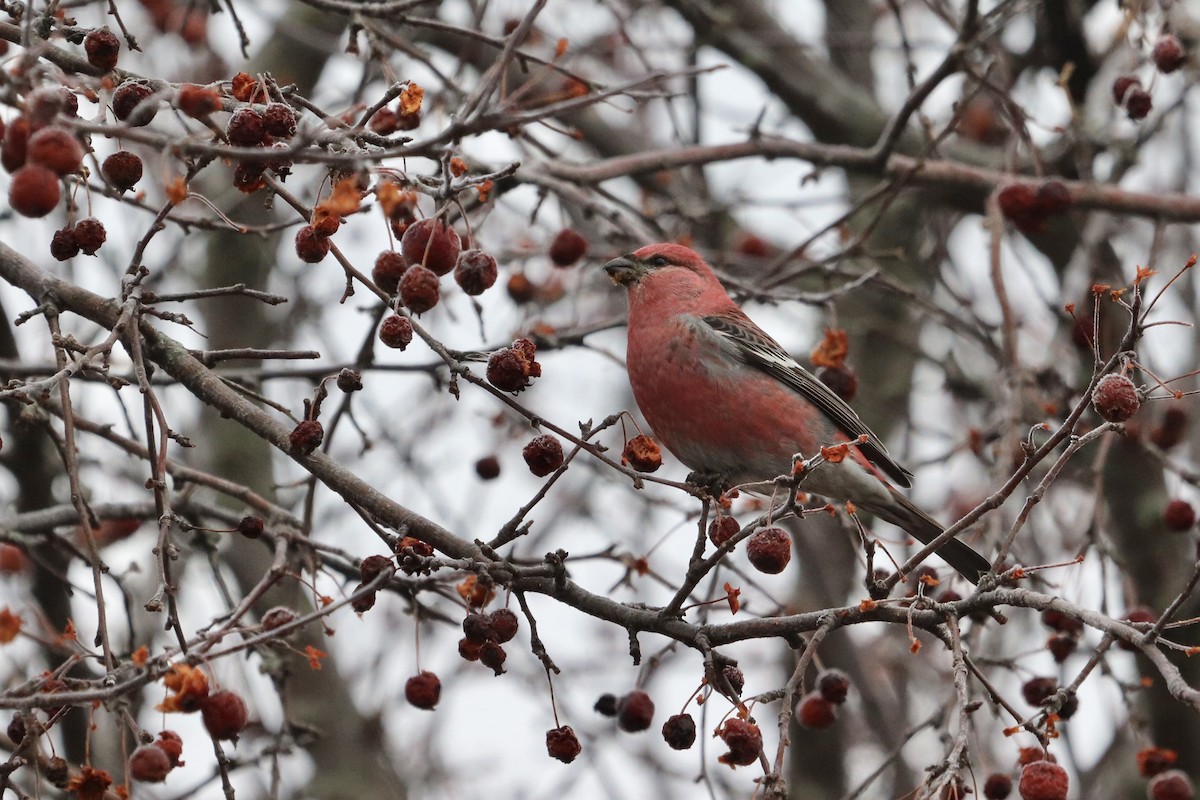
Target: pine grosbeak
(730, 403)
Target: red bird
(728, 401)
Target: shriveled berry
(1168, 54)
(1043, 780)
(306, 437)
(504, 623)
(247, 88)
(543, 455)
(475, 271)
(55, 149)
(396, 331)
(469, 650)
(248, 177)
(737, 681)
(635, 711)
(311, 247)
(364, 602)
(488, 468)
(642, 454)
(408, 121)
(744, 740)
(149, 764)
(606, 705)
(33, 191)
(1179, 515)
(372, 567)
(1038, 690)
(834, 685)
(419, 289)
(478, 627)
(279, 120)
(1061, 647)
(997, 786)
(277, 617)
(102, 48)
(1171, 785)
(57, 771)
(349, 380)
(383, 122)
(63, 244)
(1121, 87)
(224, 714)
(198, 101)
(128, 105)
(815, 711)
(563, 744)
(567, 248)
(1115, 398)
(423, 690)
(1154, 760)
(511, 370)
(123, 169)
(170, 743)
(388, 270)
(679, 731)
(1138, 104)
(431, 243)
(841, 380)
(770, 550)
(246, 128)
(492, 656)
(722, 529)
(251, 527)
(90, 234)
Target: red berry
(16, 140)
(511, 369)
(170, 743)
(56, 150)
(679, 731)
(12, 559)
(997, 786)
(396, 331)
(372, 567)
(33, 191)
(563, 744)
(102, 48)
(63, 244)
(721, 529)
(224, 714)
(504, 624)
(122, 169)
(431, 243)
(383, 122)
(744, 740)
(488, 468)
(251, 527)
(419, 289)
(815, 711)
(492, 655)
(567, 248)
(1171, 785)
(1154, 760)
(642, 454)
(477, 627)
(543, 455)
(1171, 430)
(246, 128)
(349, 380)
(128, 99)
(277, 617)
(1121, 86)
(1168, 54)
(279, 120)
(1054, 198)
(635, 711)
(149, 764)
(1140, 615)
(469, 650)
(408, 122)
(247, 88)
(521, 289)
(363, 602)
(1115, 398)
(834, 685)
(389, 268)
(841, 380)
(475, 271)
(198, 101)
(1179, 515)
(606, 705)
(311, 247)
(770, 550)
(43, 105)
(423, 690)
(1061, 647)
(1138, 104)
(1043, 780)
(1038, 690)
(1019, 203)
(1058, 621)
(90, 234)
(306, 437)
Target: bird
(727, 400)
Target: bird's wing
(760, 351)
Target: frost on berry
(388, 270)
(128, 103)
(504, 623)
(149, 764)
(224, 714)
(90, 235)
(423, 690)
(511, 369)
(1115, 398)
(311, 247)
(102, 48)
(563, 744)
(722, 529)
(122, 169)
(1171, 785)
(567, 248)
(770, 550)
(396, 331)
(744, 740)
(1168, 54)
(679, 731)
(642, 454)
(33, 191)
(635, 711)
(543, 455)
(475, 272)
(279, 120)
(1179, 515)
(55, 149)
(349, 380)
(815, 711)
(306, 437)
(431, 243)
(419, 289)
(246, 128)
(1043, 780)
(834, 685)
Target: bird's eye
(658, 261)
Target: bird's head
(662, 259)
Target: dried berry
(55, 149)
(423, 690)
(511, 369)
(431, 243)
(834, 685)
(1168, 54)
(128, 103)
(279, 120)
(478, 628)
(63, 244)
(770, 550)
(1019, 203)
(1121, 87)
(364, 602)
(567, 248)
(248, 177)
(521, 289)
(1179, 515)
(1058, 621)
(15, 143)
(170, 743)
(722, 529)
(122, 169)
(504, 624)
(642, 454)
(563, 744)
(16, 728)
(1153, 760)
(388, 270)
(251, 527)
(469, 650)
(1043, 780)
(543, 455)
(841, 380)
(224, 714)
(372, 567)
(277, 617)
(396, 331)
(1115, 398)
(744, 740)
(679, 731)
(492, 656)
(1138, 104)
(246, 128)
(1171, 785)
(247, 88)
(383, 122)
(737, 681)
(475, 271)
(90, 234)
(1038, 690)
(149, 764)
(1061, 647)
(997, 786)
(606, 705)
(198, 101)
(1170, 431)
(488, 468)
(102, 48)
(33, 191)
(349, 380)
(815, 711)
(635, 711)
(311, 247)
(306, 437)
(419, 289)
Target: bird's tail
(901, 512)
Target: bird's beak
(625, 270)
